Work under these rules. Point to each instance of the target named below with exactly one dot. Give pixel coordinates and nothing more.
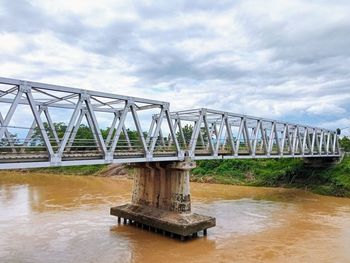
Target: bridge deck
(40, 126)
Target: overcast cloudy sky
(288, 60)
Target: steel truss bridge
(40, 126)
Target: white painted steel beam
(236, 135)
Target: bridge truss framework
(172, 136)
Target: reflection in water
(50, 218)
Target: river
(56, 218)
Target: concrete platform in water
(161, 200)
(182, 224)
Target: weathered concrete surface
(163, 185)
(161, 199)
(183, 224)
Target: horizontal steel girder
(213, 134)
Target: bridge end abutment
(321, 162)
(161, 200)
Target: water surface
(55, 218)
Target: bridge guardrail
(140, 130)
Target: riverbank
(101, 170)
(334, 181)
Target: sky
(286, 60)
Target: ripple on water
(66, 219)
(242, 216)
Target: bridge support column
(161, 199)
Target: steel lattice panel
(214, 134)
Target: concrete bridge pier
(161, 200)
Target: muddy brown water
(55, 218)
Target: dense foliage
(84, 138)
(253, 172)
(334, 180)
(345, 143)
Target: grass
(334, 180)
(72, 170)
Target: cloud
(326, 109)
(287, 60)
(342, 123)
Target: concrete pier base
(161, 200)
(181, 224)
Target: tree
(345, 143)
(187, 132)
(5, 142)
(84, 138)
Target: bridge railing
(41, 123)
(206, 133)
(48, 125)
